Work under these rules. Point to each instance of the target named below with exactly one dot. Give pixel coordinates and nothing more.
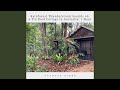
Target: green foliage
(31, 32)
(72, 49)
(59, 58)
(33, 42)
(31, 64)
(63, 46)
(74, 61)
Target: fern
(59, 58)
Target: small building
(85, 38)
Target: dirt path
(83, 66)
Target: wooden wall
(87, 44)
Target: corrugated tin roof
(83, 37)
(87, 28)
(81, 27)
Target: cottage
(85, 38)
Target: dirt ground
(83, 66)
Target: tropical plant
(74, 59)
(59, 58)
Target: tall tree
(65, 35)
(62, 29)
(70, 26)
(65, 29)
(55, 29)
(44, 41)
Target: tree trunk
(62, 29)
(65, 35)
(55, 31)
(65, 30)
(44, 41)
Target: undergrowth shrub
(59, 58)
(31, 64)
(73, 60)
